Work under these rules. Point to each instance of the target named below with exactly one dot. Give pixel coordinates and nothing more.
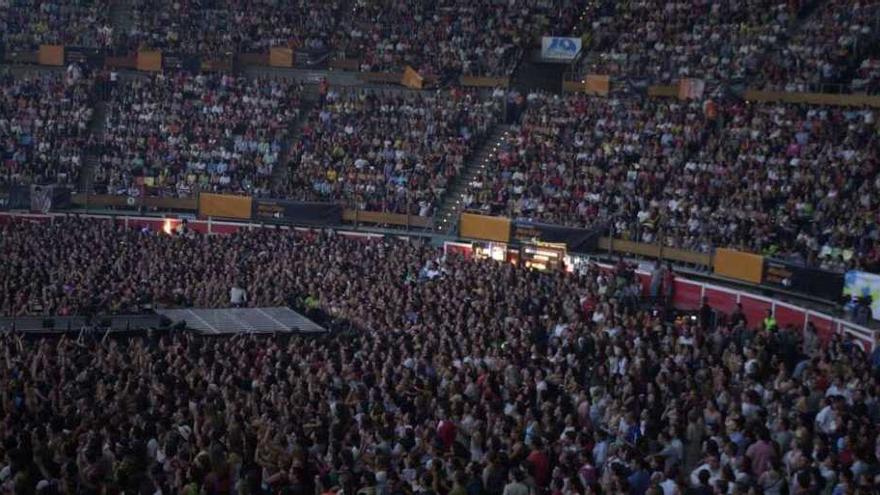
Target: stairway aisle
(121, 18)
(446, 220)
(281, 172)
(91, 158)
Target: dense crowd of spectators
(579, 160)
(867, 78)
(223, 26)
(821, 50)
(451, 37)
(44, 120)
(799, 182)
(665, 41)
(463, 377)
(172, 134)
(27, 24)
(391, 151)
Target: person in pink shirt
(761, 453)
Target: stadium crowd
(664, 41)
(388, 151)
(233, 26)
(822, 48)
(579, 160)
(461, 376)
(44, 120)
(452, 37)
(27, 24)
(173, 134)
(791, 181)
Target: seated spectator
(173, 134)
(393, 151)
(44, 122)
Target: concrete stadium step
(281, 172)
(446, 220)
(97, 125)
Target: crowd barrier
(776, 274)
(813, 98)
(247, 208)
(688, 296)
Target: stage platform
(242, 320)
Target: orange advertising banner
(597, 84)
(51, 55)
(281, 56)
(412, 79)
(149, 61)
(225, 206)
(484, 227)
(739, 265)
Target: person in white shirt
(237, 296)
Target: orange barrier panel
(691, 89)
(381, 77)
(149, 61)
(51, 55)
(412, 79)
(351, 64)
(813, 98)
(663, 91)
(225, 206)
(739, 265)
(253, 58)
(281, 56)
(484, 82)
(597, 84)
(484, 227)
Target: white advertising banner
(554, 48)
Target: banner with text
(863, 284)
(296, 212)
(558, 49)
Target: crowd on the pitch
(461, 377)
(387, 151)
(175, 134)
(44, 122)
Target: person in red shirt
(540, 463)
(446, 433)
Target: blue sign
(561, 49)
